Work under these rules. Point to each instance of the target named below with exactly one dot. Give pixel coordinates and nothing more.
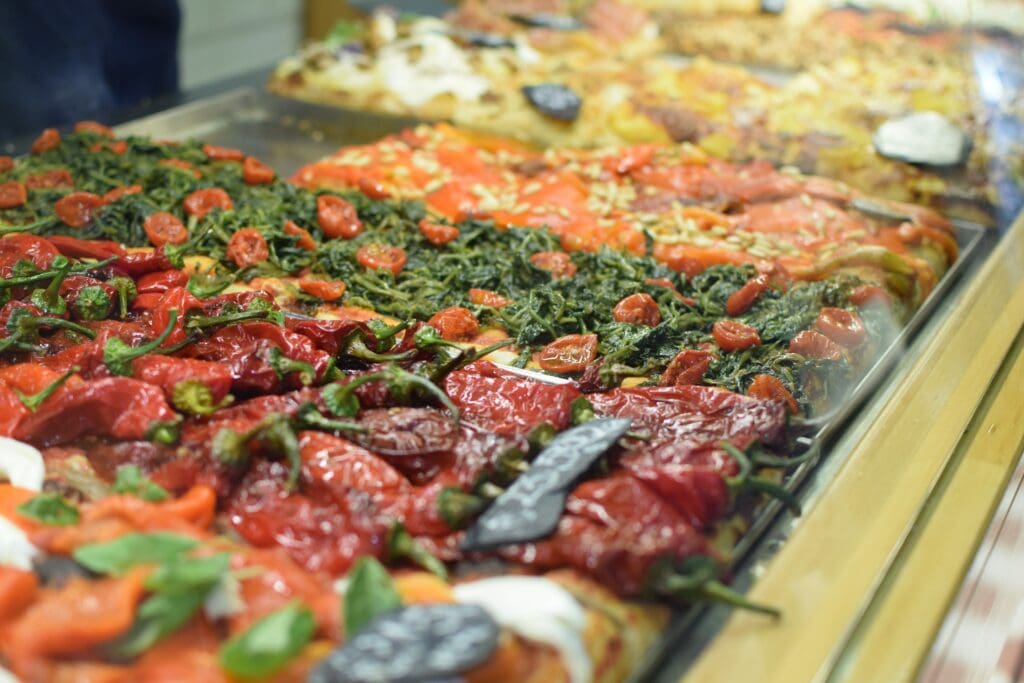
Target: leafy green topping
(270, 643)
(132, 481)
(370, 593)
(130, 550)
(50, 509)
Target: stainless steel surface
(287, 134)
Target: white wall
(224, 38)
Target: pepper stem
(33, 401)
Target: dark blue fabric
(66, 60)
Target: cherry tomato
(122, 191)
(164, 228)
(94, 127)
(438, 234)
(841, 326)
(12, 194)
(337, 218)
(305, 241)
(558, 263)
(374, 189)
(255, 172)
(326, 290)
(216, 153)
(811, 344)
(247, 247)
(455, 323)
(6, 163)
(638, 309)
(117, 147)
(571, 353)
(376, 255)
(75, 209)
(743, 298)
(55, 177)
(771, 388)
(732, 335)
(865, 295)
(202, 202)
(47, 140)
(688, 367)
(485, 297)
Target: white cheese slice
(536, 609)
(21, 464)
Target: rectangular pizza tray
(287, 133)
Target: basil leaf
(160, 615)
(370, 593)
(180, 587)
(268, 644)
(121, 554)
(189, 574)
(49, 508)
(132, 481)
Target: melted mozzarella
(439, 68)
(536, 609)
(7, 677)
(15, 548)
(21, 464)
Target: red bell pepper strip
(508, 405)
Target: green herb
(180, 587)
(370, 593)
(50, 509)
(131, 480)
(130, 550)
(270, 643)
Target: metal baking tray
(288, 133)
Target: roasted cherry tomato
(255, 172)
(76, 209)
(337, 218)
(374, 189)
(811, 344)
(571, 353)
(305, 241)
(743, 298)
(376, 255)
(118, 147)
(558, 263)
(55, 177)
(326, 290)
(688, 367)
(638, 309)
(865, 295)
(122, 191)
(6, 163)
(455, 323)
(732, 335)
(485, 297)
(216, 153)
(247, 248)
(12, 194)
(841, 326)
(771, 388)
(202, 202)
(438, 234)
(667, 284)
(164, 228)
(47, 140)
(94, 127)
